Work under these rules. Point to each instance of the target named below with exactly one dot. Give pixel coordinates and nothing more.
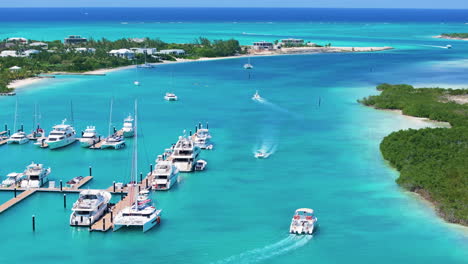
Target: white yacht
(185, 154)
(200, 165)
(170, 97)
(303, 222)
(115, 141)
(128, 129)
(12, 179)
(35, 176)
(256, 96)
(165, 175)
(202, 138)
(19, 137)
(61, 136)
(248, 66)
(90, 136)
(90, 207)
(140, 213)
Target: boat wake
(266, 148)
(275, 107)
(292, 242)
(433, 46)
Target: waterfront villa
(39, 45)
(123, 53)
(177, 52)
(148, 51)
(9, 53)
(18, 40)
(85, 50)
(75, 39)
(30, 52)
(292, 42)
(15, 69)
(262, 45)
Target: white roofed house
(9, 53)
(30, 52)
(148, 51)
(85, 50)
(18, 40)
(262, 45)
(123, 53)
(15, 69)
(39, 45)
(172, 52)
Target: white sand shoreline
(447, 37)
(419, 119)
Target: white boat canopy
(305, 210)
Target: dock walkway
(10, 203)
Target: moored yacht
(170, 97)
(19, 137)
(35, 176)
(90, 137)
(128, 129)
(303, 222)
(202, 137)
(185, 154)
(165, 175)
(62, 135)
(90, 207)
(12, 179)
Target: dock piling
(33, 223)
(64, 200)
(206, 125)
(151, 168)
(8, 132)
(15, 192)
(6, 127)
(22, 128)
(146, 182)
(90, 171)
(111, 216)
(113, 185)
(104, 224)
(141, 177)
(61, 185)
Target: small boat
(165, 175)
(256, 96)
(136, 83)
(248, 66)
(200, 165)
(12, 179)
(202, 137)
(170, 97)
(19, 137)
(90, 207)
(303, 222)
(35, 176)
(61, 136)
(261, 155)
(74, 181)
(128, 129)
(146, 65)
(89, 137)
(448, 46)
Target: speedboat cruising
(90, 207)
(19, 137)
(303, 222)
(256, 96)
(248, 66)
(200, 165)
(89, 137)
(165, 175)
(35, 176)
(12, 179)
(61, 136)
(136, 83)
(128, 129)
(202, 138)
(140, 213)
(185, 154)
(170, 97)
(261, 155)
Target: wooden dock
(10, 203)
(106, 222)
(28, 192)
(3, 141)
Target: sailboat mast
(135, 154)
(71, 113)
(16, 115)
(110, 117)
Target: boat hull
(61, 143)
(19, 142)
(128, 134)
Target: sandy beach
(435, 123)
(447, 37)
(16, 84)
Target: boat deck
(28, 192)
(98, 145)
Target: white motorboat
(170, 97)
(141, 212)
(35, 176)
(448, 46)
(19, 137)
(185, 154)
(200, 165)
(165, 175)
(128, 129)
(303, 222)
(61, 136)
(202, 137)
(74, 181)
(256, 96)
(248, 66)
(136, 83)
(261, 155)
(89, 137)
(90, 207)
(12, 179)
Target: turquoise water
(239, 209)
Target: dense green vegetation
(432, 161)
(64, 58)
(455, 35)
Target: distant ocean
(238, 211)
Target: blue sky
(455, 4)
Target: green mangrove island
(21, 58)
(432, 162)
(454, 35)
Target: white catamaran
(20, 137)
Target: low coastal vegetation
(432, 161)
(455, 35)
(55, 56)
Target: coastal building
(148, 51)
(18, 40)
(123, 53)
(39, 45)
(292, 42)
(30, 52)
(15, 69)
(262, 45)
(137, 40)
(9, 53)
(177, 52)
(75, 39)
(85, 50)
